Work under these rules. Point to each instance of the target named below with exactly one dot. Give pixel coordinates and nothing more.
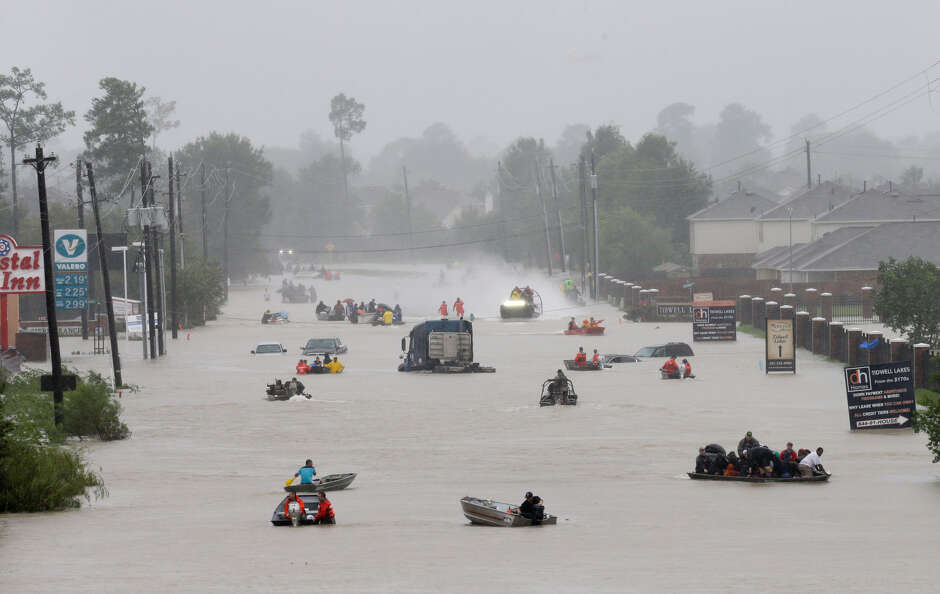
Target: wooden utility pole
(103, 252)
(228, 201)
(582, 195)
(179, 218)
(540, 198)
(80, 203)
(594, 269)
(172, 202)
(205, 237)
(39, 163)
(809, 168)
(145, 185)
(561, 223)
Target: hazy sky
(495, 70)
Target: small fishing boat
(311, 503)
(570, 365)
(817, 478)
(487, 512)
(330, 482)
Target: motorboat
(816, 478)
(487, 512)
(585, 331)
(311, 503)
(330, 482)
(553, 394)
(570, 365)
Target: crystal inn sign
(21, 268)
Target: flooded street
(193, 489)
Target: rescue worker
(397, 312)
(388, 317)
(443, 310)
(584, 323)
(302, 367)
(516, 293)
(747, 442)
(325, 514)
(592, 323)
(527, 507)
(560, 383)
(293, 498)
(686, 369)
(572, 325)
(334, 366)
(671, 368)
(322, 308)
(596, 359)
(581, 357)
(701, 462)
(326, 358)
(812, 463)
(298, 387)
(316, 362)
(458, 308)
(307, 473)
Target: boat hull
(819, 478)
(594, 331)
(330, 482)
(570, 365)
(493, 513)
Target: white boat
(487, 512)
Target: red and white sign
(21, 268)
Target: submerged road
(192, 491)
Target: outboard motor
(295, 515)
(538, 513)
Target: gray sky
(488, 69)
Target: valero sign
(21, 267)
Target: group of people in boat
(291, 292)
(585, 323)
(330, 364)
(674, 370)
(525, 294)
(458, 308)
(308, 476)
(351, 311)
(757, 460)
(269, 317)
(290, 388)
(581, 358)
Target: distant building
(796, 215)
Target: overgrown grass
(37, 478)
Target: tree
(907, 299)
(159, 116)
(119, 130)
(569, 144)
(741, 133)
(346, 117)
(928, 421)
(632, 244)
(27, 124)
(675, 123)
(912, 176)
(605, 140)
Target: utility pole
(172, 200)
(411, 236)
(582, 195)
(228, 201)
(158, 270)
(561, 224)
(502, 208)
(81, 225)
(39, 163)
(103, 251)
(145, 183)
(205, 237)
(596, 243)
(540, 198)
(179, 217)
(809, 168)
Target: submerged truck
(440, 346)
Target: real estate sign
(71, 268)
(780, 346)
(880, 396)
(714, 320)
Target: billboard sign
(21, 268)
(780, 346)
(714, 320)
(880, 396)
(71, 268)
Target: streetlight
(790, 225)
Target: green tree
(240, 178)
(928, 421)
(203, 291)
(160, 117)
(119, 131)
(25, 123)
(346, 117)
(605, 140)
(912, 176)
(741, 133)
(908, 300)
(632, 244)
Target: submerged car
(319, 346)
(670, 349)
(268, 348)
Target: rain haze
(453, 256)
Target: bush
(928, 421)
(91, 411)
(37, 478)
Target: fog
(490, 70)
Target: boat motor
(295, 515)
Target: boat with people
(572, 365)
(522, 304)
(281, 390)
(588, 327)
(486, 512)
(755, 462)
(558, 390)
(329, 482)
(277, 317)
(816, 478)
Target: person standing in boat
(325, 514)
(701, 462)
(307, 473)
(812, 463)
(747, 442)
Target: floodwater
(192, 491)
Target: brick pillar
(786, 312)
(653, 296)
(820, 334)
(825, 300)
(636, 295)
(776, 293)
(757, 312)
(803, 333)
(628, 294)
(876, 355)
(744, 309)
(898, 349)
(868, 304)
(772, 310)
(853, 339)
(811, 299)
(789, 299)
(921, 355)
(644, 296)
(836, 337)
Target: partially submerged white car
(268, 348)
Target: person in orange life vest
(325, 513)
(458, 307)
(302, 367)
(443, 309)
(292, 498)
(592, 323)
(584, 323)
(686, 369)
(670, 367)
(581, 357)
(596, 359)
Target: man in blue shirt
(307, 473)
